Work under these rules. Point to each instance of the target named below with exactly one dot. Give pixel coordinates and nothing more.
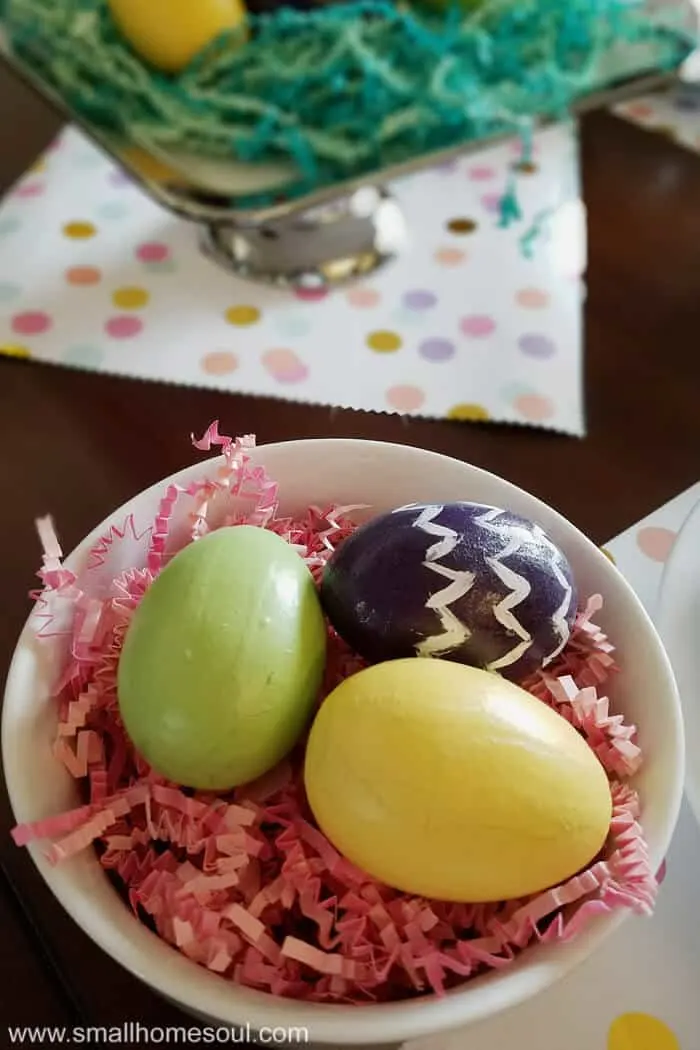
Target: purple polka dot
(481, 173)
(492, 202)
(34, 322)
(152, 251)
(477, 325)
(419, 300)
(537, 345)
(437, 349)
(123, 327)
(119, 178)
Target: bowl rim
(538, 968)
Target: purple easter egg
(462, 581)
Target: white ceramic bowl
(383, 476)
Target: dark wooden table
(643, 446)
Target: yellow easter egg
(447, 781)
(169, 33)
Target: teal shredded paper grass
(341, 91)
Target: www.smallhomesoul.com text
(132, 1033)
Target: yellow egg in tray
(168, 34)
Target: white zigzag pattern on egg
(559, 615)
(455, 633)
(519, 590)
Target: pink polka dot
(363, 298)
(405, 398)
(656, 542)
(534, 407)
(123, 327)
(285, 366)
(219, 363)
(30, 189)
(34, 322)
(477, 326)
(311, 295)
(639, 110)
(449, 256)
(661, 873)
(152, 251)
(532, 298)
(481, 173)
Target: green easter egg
(223, 659)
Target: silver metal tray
(331, 236)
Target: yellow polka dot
(525, 167)
(130, 298)
(38, 167)
(384, 342)
(10, 350)
(467, 412)
(608, 555)
(242, 315)
(79, 231)
(641, 1032)
(461, 226)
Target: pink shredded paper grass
(245, 884)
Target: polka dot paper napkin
(640, 990)
(675, 113)
(478, 320)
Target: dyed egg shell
(450, 782)
(471, 583)
(169, 33)
(223, 659)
